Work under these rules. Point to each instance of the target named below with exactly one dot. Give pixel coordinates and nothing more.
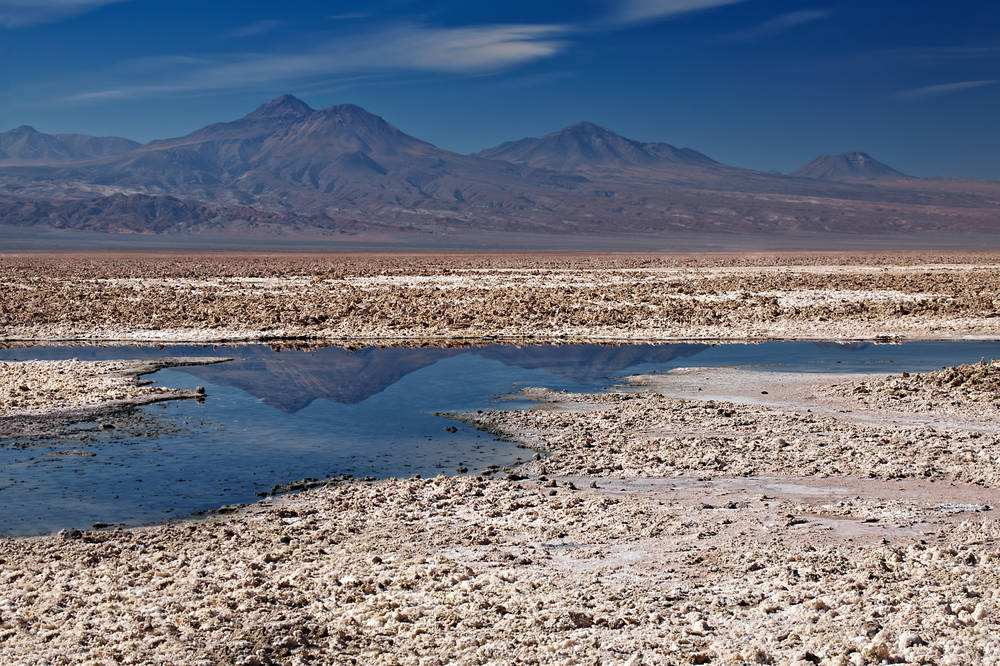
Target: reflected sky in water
(276, 415)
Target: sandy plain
(703, 516)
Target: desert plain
(702, 516)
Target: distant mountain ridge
(287, 156)
(847, 166)
(286, 167)
(143, 214)
(587, 145)
(26, 143)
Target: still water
(275, 415)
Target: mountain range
(27, 144)
(849, 166)
(286, 168)
(586, 146)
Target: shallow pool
(276, 415)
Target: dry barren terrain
(704, 516)
(558, 296)
(39, 396)
(649, 529)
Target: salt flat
(711, 516)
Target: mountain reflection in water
(277, 414)
(292, 379)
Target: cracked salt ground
(624, 297)
(481, 570)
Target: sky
(765, 84)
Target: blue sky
(767, 84)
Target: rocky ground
(651, 434)
(709, 516)
(650, 528)
(971, 390)
(41, 393)
(546, 297)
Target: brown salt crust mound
(651, 435)
(540, 297)
(41, 394)
(105, 265)
(965, 390)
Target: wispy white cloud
(347, 16)
(943, 54)
(152, 64)
(99, 96)
(781, 23)
(942, 89)
(18, 13)
(466, 49)
(401, 48)
(256, 28)
(640, 11)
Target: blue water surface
(274, 415)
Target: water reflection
(292, 380)
(277, 415)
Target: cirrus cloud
(405, 48)
(781, 23)
(257, 28)
(19, 13)
(942, 89)
(640, 11)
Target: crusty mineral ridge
(970, 390)
(37, 396)
(540, 297)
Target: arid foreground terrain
(383, 297)
(651, 528)
(704, 516)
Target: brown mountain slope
(849, 166)
(286, 167)
(588, 146)
(26, 145)
(287, 156)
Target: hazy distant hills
(28, 144)
(287, 158)
(849, 166)
(143, 213)
(588, 146)
(288, 168)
